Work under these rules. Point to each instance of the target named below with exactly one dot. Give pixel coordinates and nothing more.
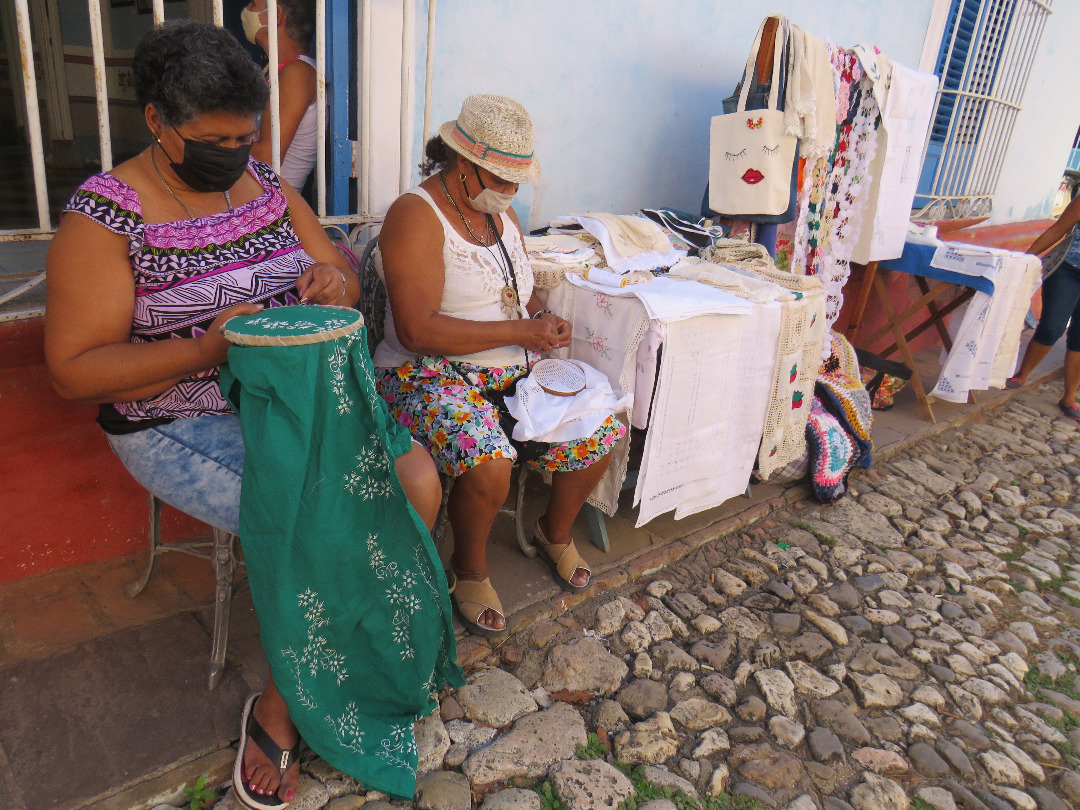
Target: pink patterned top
(187, 272)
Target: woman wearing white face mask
(463, 322)
(296, 76)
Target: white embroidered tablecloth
(607, 330)
(986, 335)
(709, 412)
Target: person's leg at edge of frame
(568, 493)
(475, 500)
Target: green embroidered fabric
(350, 594)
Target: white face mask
(491, 202)
(252, 25)
(488, 201)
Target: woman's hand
(544, 334)
(562, 327)
(322, 283)
(212, 343)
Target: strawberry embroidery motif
(794, 372)
(796, 400)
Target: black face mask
(207, 167)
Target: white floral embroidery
(371, 477)
(338, 358)
(400, 593)
(317, 655)
(347, 729)
(400, 748)
(270, 324)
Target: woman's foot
(566, 564)
(479, 607)
(1014, 382)
(261, 776)
(1070, 410)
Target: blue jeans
(192, 464)
(1061, 308)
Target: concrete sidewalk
(103, 701)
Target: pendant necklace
(508, 295)
(168, 188)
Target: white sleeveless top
(299, 158)
(472, 290)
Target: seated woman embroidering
(463, 322)
(165, 248)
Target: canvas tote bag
(750, 155)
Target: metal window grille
(24, 79)
(985, 60)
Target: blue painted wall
(622, 91)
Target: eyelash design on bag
(771, 151)
(735, 155)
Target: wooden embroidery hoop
(302, 339)
(559, 377)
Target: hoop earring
(462, 178)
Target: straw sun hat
(497, 133)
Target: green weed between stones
(1013, 556)
(921, 804)
(199, 796)
(644, 790)
(824, 539)
(1068, 752)
(1035, 682)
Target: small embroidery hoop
(303, 339)
(561, 378)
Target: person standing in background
(296, 77)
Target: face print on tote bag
(750, 156)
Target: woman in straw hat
(463, 322)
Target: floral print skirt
(446, 413)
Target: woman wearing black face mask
(463, 322)
(149, 261)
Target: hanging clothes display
(906, 98)
(351, 597)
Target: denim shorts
(1061, 308)
(192, 464)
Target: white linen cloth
(906, 98)
(545, 417)
(607, 330)
(709, 412)
(810, 96)
(738, 282)
(986, 337)
(971, 260)
(670, 299)
(623, 254)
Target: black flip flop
(251, 730)
(1071, 411)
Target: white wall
(621, 91)
(1047, 125)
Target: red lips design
(752, 177)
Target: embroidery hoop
(559, 377)
(297, 325)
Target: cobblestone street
(914, 645)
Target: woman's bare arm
(411, 243)
(89, 306)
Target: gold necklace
(464, 221)
(508, 295)
(168, 188)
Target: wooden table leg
(863, 295)
(905, 350)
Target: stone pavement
(768, 673)
(915, 645)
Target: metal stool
(220, 549)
